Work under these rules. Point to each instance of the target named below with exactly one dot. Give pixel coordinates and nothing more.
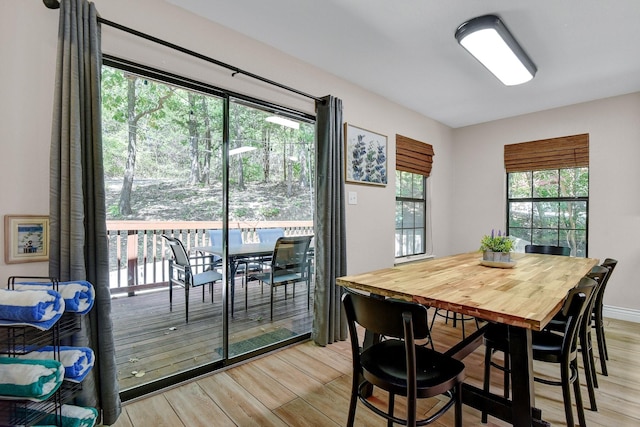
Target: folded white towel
(30, 306)
(77, 361)
(74, 416)
(32, 379)
(78, 295)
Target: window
(548, 192)
(410, 213)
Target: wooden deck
(153, 342)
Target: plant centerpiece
(496, 248)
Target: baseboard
(621, 313)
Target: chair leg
(565, 374)
(587, 363)
(578, 394)
(391, 407)
(354, 401)
(271, 302)
(602, 349)
(458, 406)
(186, 302)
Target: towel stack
(77, 361)
(72, 416)
(29, 379)
(78, 295)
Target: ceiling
(406, 52)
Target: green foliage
(496, 243)
(269, 212)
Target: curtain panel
(78, 235)
(329, 322)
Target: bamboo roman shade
(554, 153)
(413, 156)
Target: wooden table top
(527, 295)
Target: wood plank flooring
(308, 385)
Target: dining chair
(552, 347)
(182, 272)
(288, 266)
(235, 239)
(269, 235)
(559, 324)
(547, 250)
(597, 317)
(396, 364)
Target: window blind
(554, 153)
(413, 156)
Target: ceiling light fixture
(491, 43)
(283, 122)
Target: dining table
(525, 297)
(236, 254)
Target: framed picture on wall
(26, 238)
(365, 156)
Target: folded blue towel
(78, 295)
(73, 416)
(77, 361)
(38, 308)
(29, 379)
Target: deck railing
(138, 255)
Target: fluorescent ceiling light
(241, 150)
(283, 122)
(491, 43)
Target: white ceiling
(405, 50)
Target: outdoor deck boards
(152, 339)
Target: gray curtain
(78, 236)
(329, 322)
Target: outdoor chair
(552, 347)
(183, 272)
(241, 266)
(547, 250)
(396, 364)
(288, 266)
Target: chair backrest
(384, 316)
(599, 275)
(573, 309)
(235, 237)
(290, 255)
(269, 235)
(180, 255)
(609, 264)
(547, 250)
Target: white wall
(613, 125)
(29, 34)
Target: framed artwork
(26, 238)
(365, 156)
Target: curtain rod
(55, 4)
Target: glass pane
(574, 182)
(519, 185)
(545, 237)
(398, 214)
(398, 183)
(408, 242)
(399, 243)
(545, 183)
(545, 214)
(520, 214)
(576, 240)
(418, 241)
(419, 215)
(408, 214)
(406, 184)
(418, 186)
(521, 237)
(573, 215)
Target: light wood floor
(308, 385)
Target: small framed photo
(365, 156)
(26, 238)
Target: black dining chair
(597, 316)
(547, 250)
(553, 347)
(396, 364)
(559, 324)
(183, 271)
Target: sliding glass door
(191, 162)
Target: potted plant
(496, 248)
